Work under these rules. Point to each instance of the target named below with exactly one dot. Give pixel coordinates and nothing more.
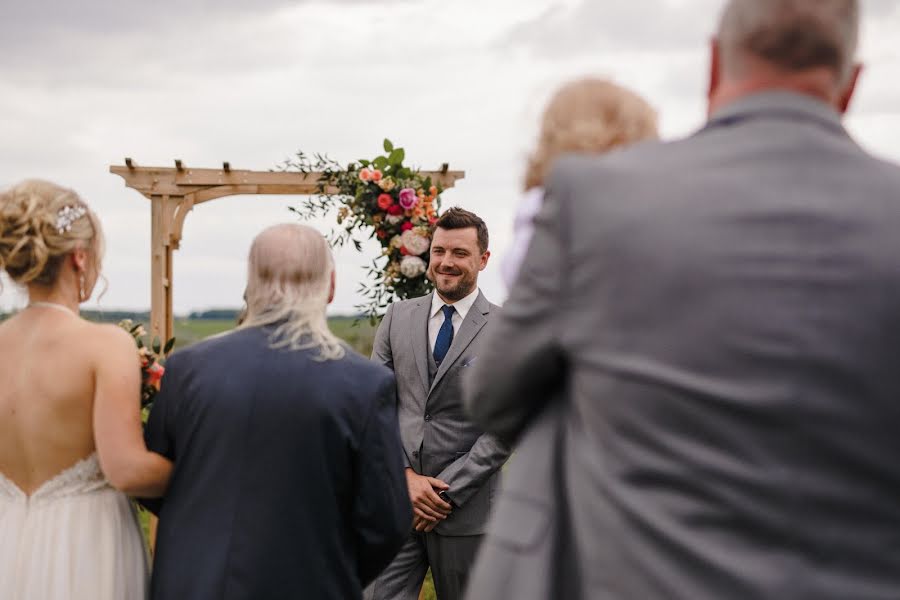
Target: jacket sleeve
(523, 365)
(469, 472)
(382, 513)
(383, 355)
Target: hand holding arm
(126, 462)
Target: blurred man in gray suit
(451, 464)
(721, 317)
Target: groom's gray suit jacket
(439, 439)
(721, 318)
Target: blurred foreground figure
(720, 317)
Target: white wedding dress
(74, 538)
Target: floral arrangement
(152, 357)
(382, 199)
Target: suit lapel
(471, 325)
(419, 330)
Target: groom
(451, 464)
(288, 481)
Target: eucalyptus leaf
(397, 156)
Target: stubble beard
(457, 292)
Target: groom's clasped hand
(428, 507)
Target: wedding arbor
(173, 193)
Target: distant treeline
(216, 314)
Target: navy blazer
(288, 480)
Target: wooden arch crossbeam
(173, 193)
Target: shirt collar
(461, 306)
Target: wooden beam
(174, 192)
(170, 181)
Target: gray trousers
(450, 559)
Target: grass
(358, 334)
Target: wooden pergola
(174, 191)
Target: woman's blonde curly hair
(32, 246)
(589, 116)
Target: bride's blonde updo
(34, 241)
(588, 116)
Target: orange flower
(155, 374)
(365, 175)
(376, 175)
(433, 191)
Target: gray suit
(722, 318)
(439, 441)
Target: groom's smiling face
(456, 260)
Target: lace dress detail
(74, 538)
(83, 477)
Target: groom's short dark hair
(459, 218)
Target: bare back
(47, 381)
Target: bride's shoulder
(106, 336)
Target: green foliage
(357, 194)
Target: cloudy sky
(85, 84)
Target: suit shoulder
(363, 367)
(639, 157)
(405, 306)
(221, 342)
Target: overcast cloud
(83, 85)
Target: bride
(71, 446)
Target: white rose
(394, 219)
(415, 243)
(412, 266)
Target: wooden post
(161, 265)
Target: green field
(358, 334)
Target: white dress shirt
(436, 318)
(523, 229)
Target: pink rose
(408, 199)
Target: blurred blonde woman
(586, 116)
(71, 443)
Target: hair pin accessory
(68, 215)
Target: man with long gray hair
(720, 317)
(288, 479)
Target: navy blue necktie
(445, 335)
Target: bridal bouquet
(151, 357)
(378, 199)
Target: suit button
(427, 417)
